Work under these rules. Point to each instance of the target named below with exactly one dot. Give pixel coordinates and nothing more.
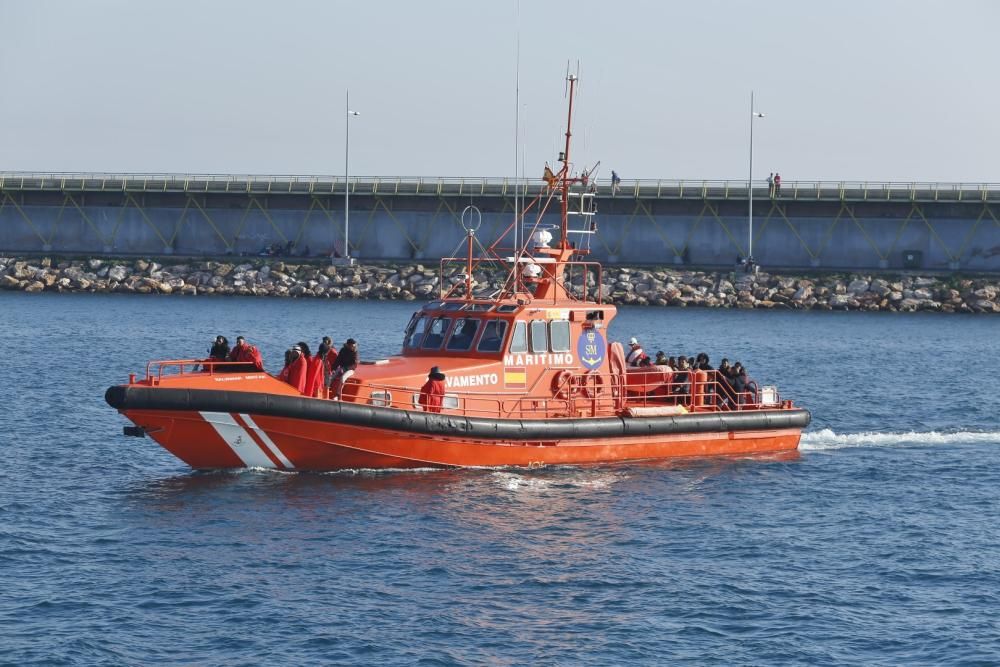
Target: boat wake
(512, 481)
(827, 439)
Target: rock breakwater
(620, 285)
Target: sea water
(879, 543)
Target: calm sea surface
(878, 545)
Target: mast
(564, 212)
(551, 286)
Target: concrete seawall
(662, 286)
(836, 226)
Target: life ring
(592, 388)
(562, 385)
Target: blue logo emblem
(591, 349)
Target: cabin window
(463, 334)
(415, 331)
(559, 332)
(493, 333)
(519, 339)
(539, 336)
(435, 333)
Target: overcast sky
(874, 90)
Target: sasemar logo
(590, 348)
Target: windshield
(462, 335)
(435, 333)
(415, 331)
(493, 333)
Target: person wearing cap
(343, 368)
(248, 355)
(661, 359)
(635, 354)
(432, 393)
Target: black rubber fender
(135, 397)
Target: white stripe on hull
(267, 441)
(238, 439)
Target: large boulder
(857, 286)
(803, 293)
(117, 272)
(986, 292)
(880, 287)
(842, 301)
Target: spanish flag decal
(515, 378)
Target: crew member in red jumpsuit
(432, 393)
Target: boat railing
(574, 280)
(589, 394)
(156, 370)
(594, 394)
(694, 390)
(469, 404)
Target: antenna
(517, 122)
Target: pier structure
(809, 224)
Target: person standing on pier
(777, 184)
(770, 185)
(616, 182)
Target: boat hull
(220, 429)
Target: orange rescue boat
(530, 379)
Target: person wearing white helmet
(635, 355)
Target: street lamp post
(347, 185)
(749, 259)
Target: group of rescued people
(734, 384)
(320, 375)
(246, 355)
